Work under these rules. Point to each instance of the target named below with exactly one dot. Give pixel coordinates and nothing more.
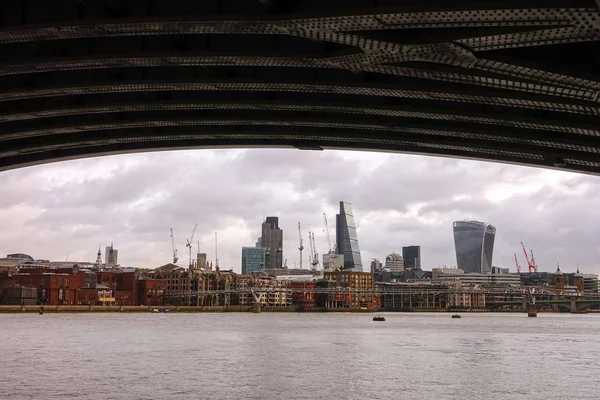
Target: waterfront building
(402, 296)
(537, 278)
(253, 259)
(151, 292)
(412, 257)
(355, 289)
(272, 242)
(480, 279)
(591, 285)
(346, 238)
(394, 262)
(473, 298)
(474, 243)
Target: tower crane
(530, 264)
(189, 243)
(517, 263)
(326, 230)
(533, 262)
(312, 254)
(315, 260)
(173, 247)
(301, 245)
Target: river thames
(299, 356)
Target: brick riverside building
(351, 287)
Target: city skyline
(66, 209)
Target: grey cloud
(72, 207)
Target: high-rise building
(201, 261)
(272, 241)
(412, 257)
(394, 262)
(346, 238)
(474, 243)
(252, 259)
(375, 265)
(111, 258)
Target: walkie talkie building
(474, 243)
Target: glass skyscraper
(474, 243)
(412, 257)
(252, 259)
(346, 239)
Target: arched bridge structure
(514, 81)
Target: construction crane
(530, 264)
(173, 247)
(189, 243)
(301, 244)
(315, 260)
(326, 230)
(533, 262)
(517, 263)
(312, 254)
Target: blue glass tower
(252, 259)
(346, 239)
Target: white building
(394, 262)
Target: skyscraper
(474, 243)
(412, 257)
(111, 258)
(252, 259)
(272, 241)
(346, 239)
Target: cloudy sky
(67, 209)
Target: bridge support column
(573, 306)
(531, 310)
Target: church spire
(99, 257)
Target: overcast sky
(67, 209)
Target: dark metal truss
(512, 81)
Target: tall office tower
(346, 239)
(272, 241)
(252, 259)
(111, 258)
(412, 257)
(201, 261)
(376, 265)
(474, 243)
(394, 262)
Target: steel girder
(510, 81)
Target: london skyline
(69, 208)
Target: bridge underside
(511, 81)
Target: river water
(299, 356)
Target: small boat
(378, 318)
(456, 316)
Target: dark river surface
(299, 356)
